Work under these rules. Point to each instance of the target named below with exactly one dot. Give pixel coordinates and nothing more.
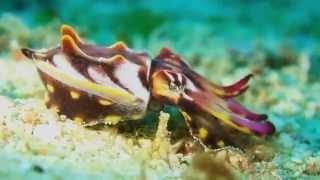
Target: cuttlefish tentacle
(224, 92)
(230, 91)
(214, 135)
(172, 82)
(234, 118)
(240, 110)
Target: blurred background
(280, 30)
(221, 39)
(236, 24)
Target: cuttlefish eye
(177, 81)
(168, 85)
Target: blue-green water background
(240, 23)
(222, 40)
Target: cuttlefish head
(209, 110)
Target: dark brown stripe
(142, 73)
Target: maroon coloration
(86, 107)
(238, 86)
(168, 78)
(205, 99)
(168, 56)
(238, 109)
(259, 128)
(143, 77)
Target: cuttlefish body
(89, 83)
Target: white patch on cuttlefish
(128, 75)
(62, 63)
(191, 86)
(184, 95)
(179, 77)
(102, 78)
(169, 76)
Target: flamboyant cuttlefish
(90, 83)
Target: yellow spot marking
(104, 102)
(136, 116)
(74, 95)
(50, 88)
(221, 143)
(203, 133)
(112, 119)
(78, 120)
(112, 93)
(55, 108)
(186, 116)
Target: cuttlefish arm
(210, 111)
(233, 90)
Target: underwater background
(222, 40)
